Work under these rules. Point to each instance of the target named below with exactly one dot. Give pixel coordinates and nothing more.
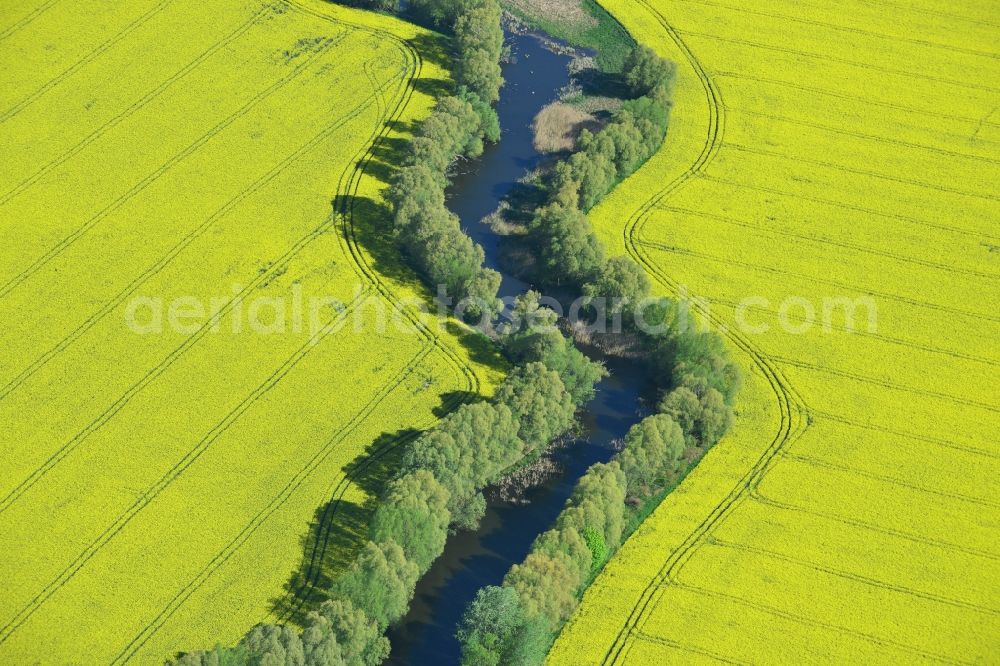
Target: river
(471, 560)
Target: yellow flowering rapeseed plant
(822, 151)
(158, 481)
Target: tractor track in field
(857, 209)
(151, 375)
(847, 28)
(26, 20)
(841, 61)
(900, 342)
(151, 493)
(833, 242)
(179, 247)
(932, 12)
(805, 277)
(883, 383)
(843, 168)
(757, 496)
(826, 626)
(254, 20)
(791, 408)
(854, 99)
(93, 55)
(821, 463)
(298, 597)
(157, 173)
(907, 435)
(857, 578)
(873, 138)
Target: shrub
(414, 514)
(645, 71)
(380, 582)
(652, 449)
(540, 403)
(546, 587)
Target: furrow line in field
(857, 578)
(818, 280)
(833, 628)
(881, 140)
(875, 381)
(162, 169)
(137, 105)
(758, 496)
(851, 207)
(35, 13)
(743, 9)
(881, 4)
(151, 493)
(670, 643)
(856, 247)
(886, 478)
(907, 435)
(93, 55)
(168, 258)
(863, 172)
(851, 98)
(843, 61)
(906, 344)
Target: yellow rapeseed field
(158, 483)
(822, 151)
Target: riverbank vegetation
(697, 380)
(438, 487)
(431, 236)
(582, 23)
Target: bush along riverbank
(516, 623)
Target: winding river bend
(471, 560)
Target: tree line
(430, 235)
(516, 622)
(438, 490)
(568, 251)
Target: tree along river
(474, 559)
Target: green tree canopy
(380, 582)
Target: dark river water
(472, 560)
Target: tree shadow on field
(433, 47)
(434, 87)
(339, 528)
(451, 399)
(370, 224)
(481, 349)
(386, 157)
